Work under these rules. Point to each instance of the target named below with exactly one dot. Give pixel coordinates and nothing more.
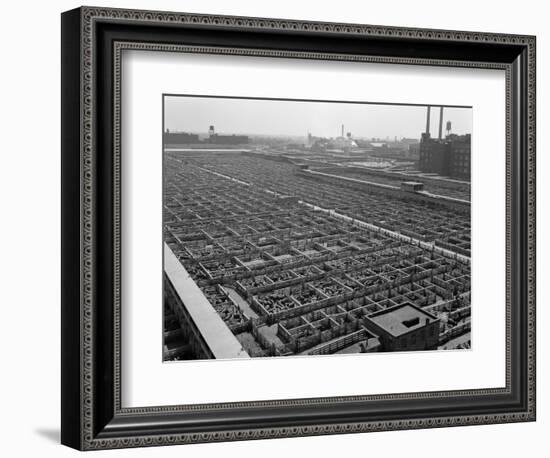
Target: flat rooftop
(401, 319)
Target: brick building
(404, 327)
(447, 157)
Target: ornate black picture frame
(92, 42)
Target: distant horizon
(297, 118)
(205, 133)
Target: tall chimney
(342, 131)
(440, 122)
(428, 121)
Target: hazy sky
(276, 117)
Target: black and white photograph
(314, 227)
(275, 229)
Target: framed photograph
(276, 228)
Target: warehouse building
(180, 138)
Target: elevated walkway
(214, 332)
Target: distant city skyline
(298, 118)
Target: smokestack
(342, 131)
(428, 121)
(440, 122)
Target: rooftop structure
(405, 327)
(412, 186)
(402, 319)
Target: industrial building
(286, 257)
(405, 327)
(180, 138)
(213, 138)
(446, 156)
(217, 139)
(459, 155)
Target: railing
(340, 343)
(454, 332)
